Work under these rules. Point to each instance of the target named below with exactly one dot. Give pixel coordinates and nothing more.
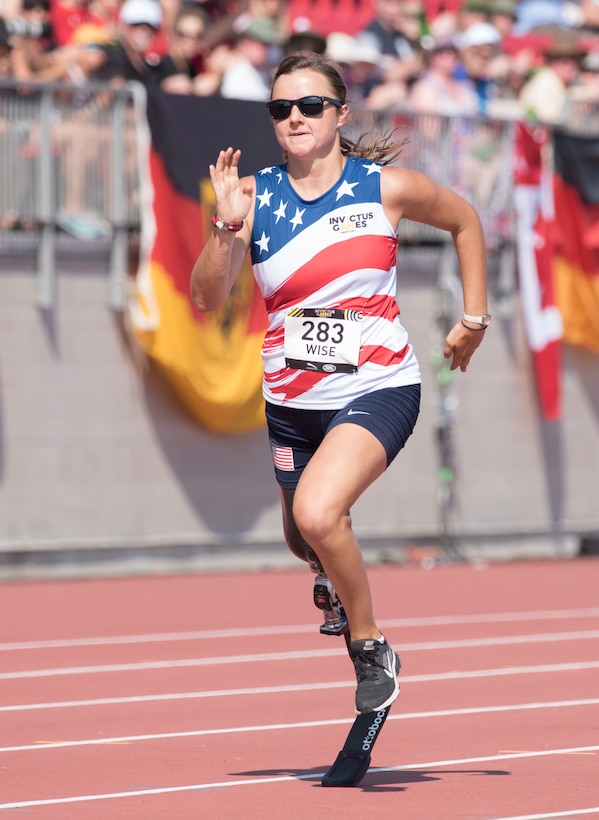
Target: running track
(214, 696)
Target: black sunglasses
(310, 106)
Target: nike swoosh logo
(357, 413)
(389, 669)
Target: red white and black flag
(212, 360)
(576, 260)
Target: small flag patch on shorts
(283, 458)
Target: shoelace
(366, 670)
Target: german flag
(576, 237)
(212, 360)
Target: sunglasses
(189, 35)
(311, 106)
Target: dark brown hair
(385, 149)
(196, 13)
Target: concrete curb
(94, 562)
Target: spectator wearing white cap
(479, 47)
(141, 12)
(132, 58)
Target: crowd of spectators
(500, 58)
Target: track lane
(410, 736)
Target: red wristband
(226, 226)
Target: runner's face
(299, 134)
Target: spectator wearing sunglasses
(341, 379)
(186, 54)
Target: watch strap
(483, 320)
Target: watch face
(483, 320)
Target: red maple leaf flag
(533, 198)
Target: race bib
(323, 339)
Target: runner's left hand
(461, 344)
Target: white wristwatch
(483, 320)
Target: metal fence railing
(473, 156)
(73, 160)
(69, 161)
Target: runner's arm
(222, 256)
(412, 195)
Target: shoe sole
(391, 699)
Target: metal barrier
(581, 117)
(471, 155)
(69, 160)
(75, 160)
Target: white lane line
(227, 784)
(302, 687)
(233, 730)
(548, 815)
(506, 640)
(257, 631)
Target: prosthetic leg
(353, 760)
(325, 597)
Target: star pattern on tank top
(346, 189)
(271, 195)
(265, 198)
(297, 218)
(280, 213)
(263, 242)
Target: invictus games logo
(350, 222)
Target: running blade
(354, 759)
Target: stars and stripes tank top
(327, 271)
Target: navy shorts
(295, 435)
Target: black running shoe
(377, 667)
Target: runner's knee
(293, 537)
(317, 523)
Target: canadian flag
(533, 199)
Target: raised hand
(233, 200)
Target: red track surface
(144, 698)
